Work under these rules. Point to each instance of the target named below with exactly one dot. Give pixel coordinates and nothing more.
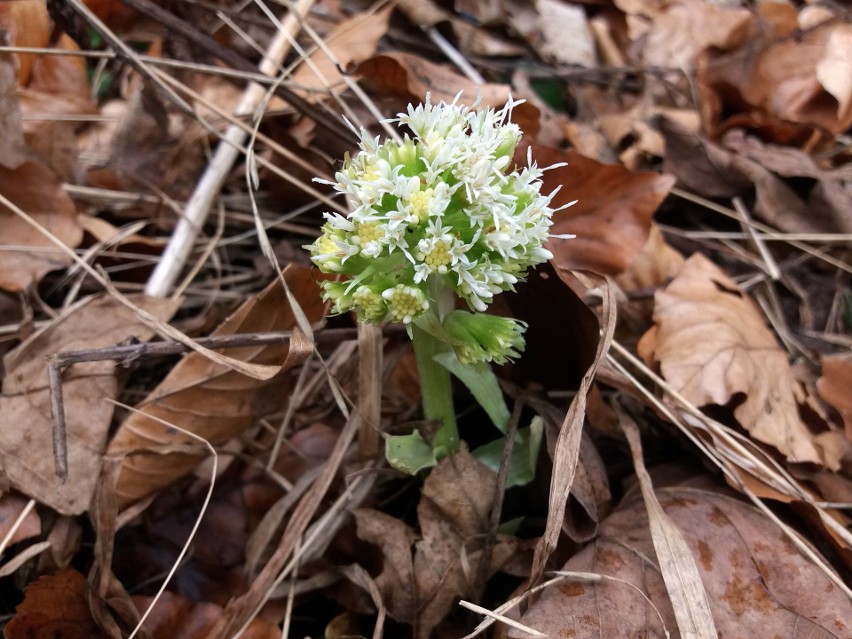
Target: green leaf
(482, 383)
(524, 453)
(409, 453)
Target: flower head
(442, 209)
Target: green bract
(435, 212)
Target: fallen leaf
(453, 514)
(27, 24)
(834, 387)
(54, 607)
(686, 28)
(411, 77)
(655, 264)
(11, 506)
(565, 37)
(174, 617)
(25, 414)
(742, 163)
(396, 540)
(713, 347)
(210, 399)
(801, 79)
(758, 583)
(25, 254)
(612, 216)
(350, 42)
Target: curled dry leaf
(612, 216)
(776, 174)
(453, 512)
(350, 42)
(686, 28)
(713, 347)
(834, 387)
(54, 606)
(27, 24)
(758, 583)
(25, 422)
(800, 76)
(212, 401)
(411, 77)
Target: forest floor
(191, 443)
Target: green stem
(436, 391)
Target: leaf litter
(711, 169)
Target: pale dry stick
(208, 252)
(763, 237)
(353, 86)
(177, 252)
(496, 616)
(204, 504)
(454, 55)
(748, 226)
(19, 520)
(729, 472)
(768, 230)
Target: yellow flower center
(439, 257)
(405, 303)
(367, 232)
(326, 246)
(420, 204)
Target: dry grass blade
(677, 565)
(568, 443)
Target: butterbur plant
(437, 216)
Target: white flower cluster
(440, 204)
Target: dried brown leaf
(27, 24)
(834, 387)
(54, 606)
(612, 216)
(211, 399)
(713, 347)
(686, 28)
(25, 426)
(422, 577)
(801, 79)
(396, 540)
(758, 583)
(350, 42)
(38, 192)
